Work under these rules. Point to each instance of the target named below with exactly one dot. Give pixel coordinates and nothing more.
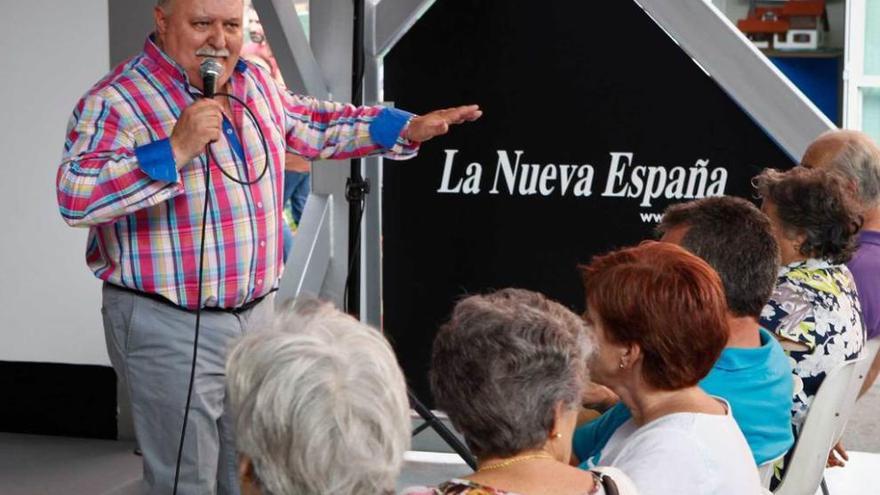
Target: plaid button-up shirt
(118, 177)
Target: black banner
(595, 121)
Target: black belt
(164, 300)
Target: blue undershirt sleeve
(157, 160)
(387, 126)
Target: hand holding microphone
(200, 123)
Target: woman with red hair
(658, 316)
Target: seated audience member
(320, 406)
(814, 308)
(660, 320)
(509, 369)
(855, 157)
(753, 374)
(295, 194)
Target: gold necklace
(514, 460)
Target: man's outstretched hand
(436, 123)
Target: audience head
(811, 213)
(320, 406)
(736, 239)
(509, 370)
(852, 154)
(659, 316)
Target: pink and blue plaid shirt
(117, 176)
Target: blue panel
(819, 78)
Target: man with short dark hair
(753, 374)
(135, 171)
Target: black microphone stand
(356, 190)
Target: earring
(557, 435)
(622, 364)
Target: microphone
(210, 71)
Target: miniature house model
(786, 24)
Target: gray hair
(319, 404)
(502, 364)
(860, 162)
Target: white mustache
(210, 52)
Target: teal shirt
(755, 381)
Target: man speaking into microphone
(134, 171)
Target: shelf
(820, 53)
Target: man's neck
(743, 332)
(872, 219)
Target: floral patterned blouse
(815, 304)
(467, 487)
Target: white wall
(51, 52)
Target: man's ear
(161, 19)
(852, 187)
(246, 470)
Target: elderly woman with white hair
(509, 369)
(320, 406)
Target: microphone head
(210, 71)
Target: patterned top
(118, 177)
(467, 487)
(815, 304)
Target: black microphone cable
(245, 182)
(192, 372)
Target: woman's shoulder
(805, 292)
(685, 435)
(455, 487)
(702, 450)
(671, 435)
(418, 490)
(818, 277)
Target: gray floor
(38, 465)
(863, 430)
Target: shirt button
(259, 281)
(262, 243)
(260, 204)
(229, 131)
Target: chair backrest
(869, 352)
(826, 420)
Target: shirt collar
(869, 237)
(167, 64)
(737, 358)
(810, 264)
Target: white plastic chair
(872, 347)
(826, 420)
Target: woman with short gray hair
(320, 407)
(509, 369)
